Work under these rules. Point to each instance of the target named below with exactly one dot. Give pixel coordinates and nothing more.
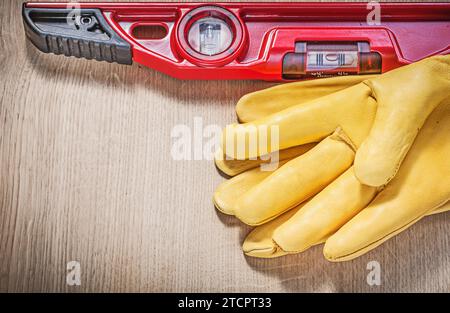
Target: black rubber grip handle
(82, 33)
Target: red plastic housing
(267, 32)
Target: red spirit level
(269, 41)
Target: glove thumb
(405, 98)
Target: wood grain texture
(86, 175)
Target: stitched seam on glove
(340, 135)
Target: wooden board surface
(86, 175)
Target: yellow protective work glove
(257, 197)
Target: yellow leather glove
(354, 114)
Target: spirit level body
(251, 40)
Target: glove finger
(233, 167)
(421, 185)
(324, 214)
(352, 109)
(295, 181)
(259, 243)
(400, 116)
(226, 195)
(259, 104)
